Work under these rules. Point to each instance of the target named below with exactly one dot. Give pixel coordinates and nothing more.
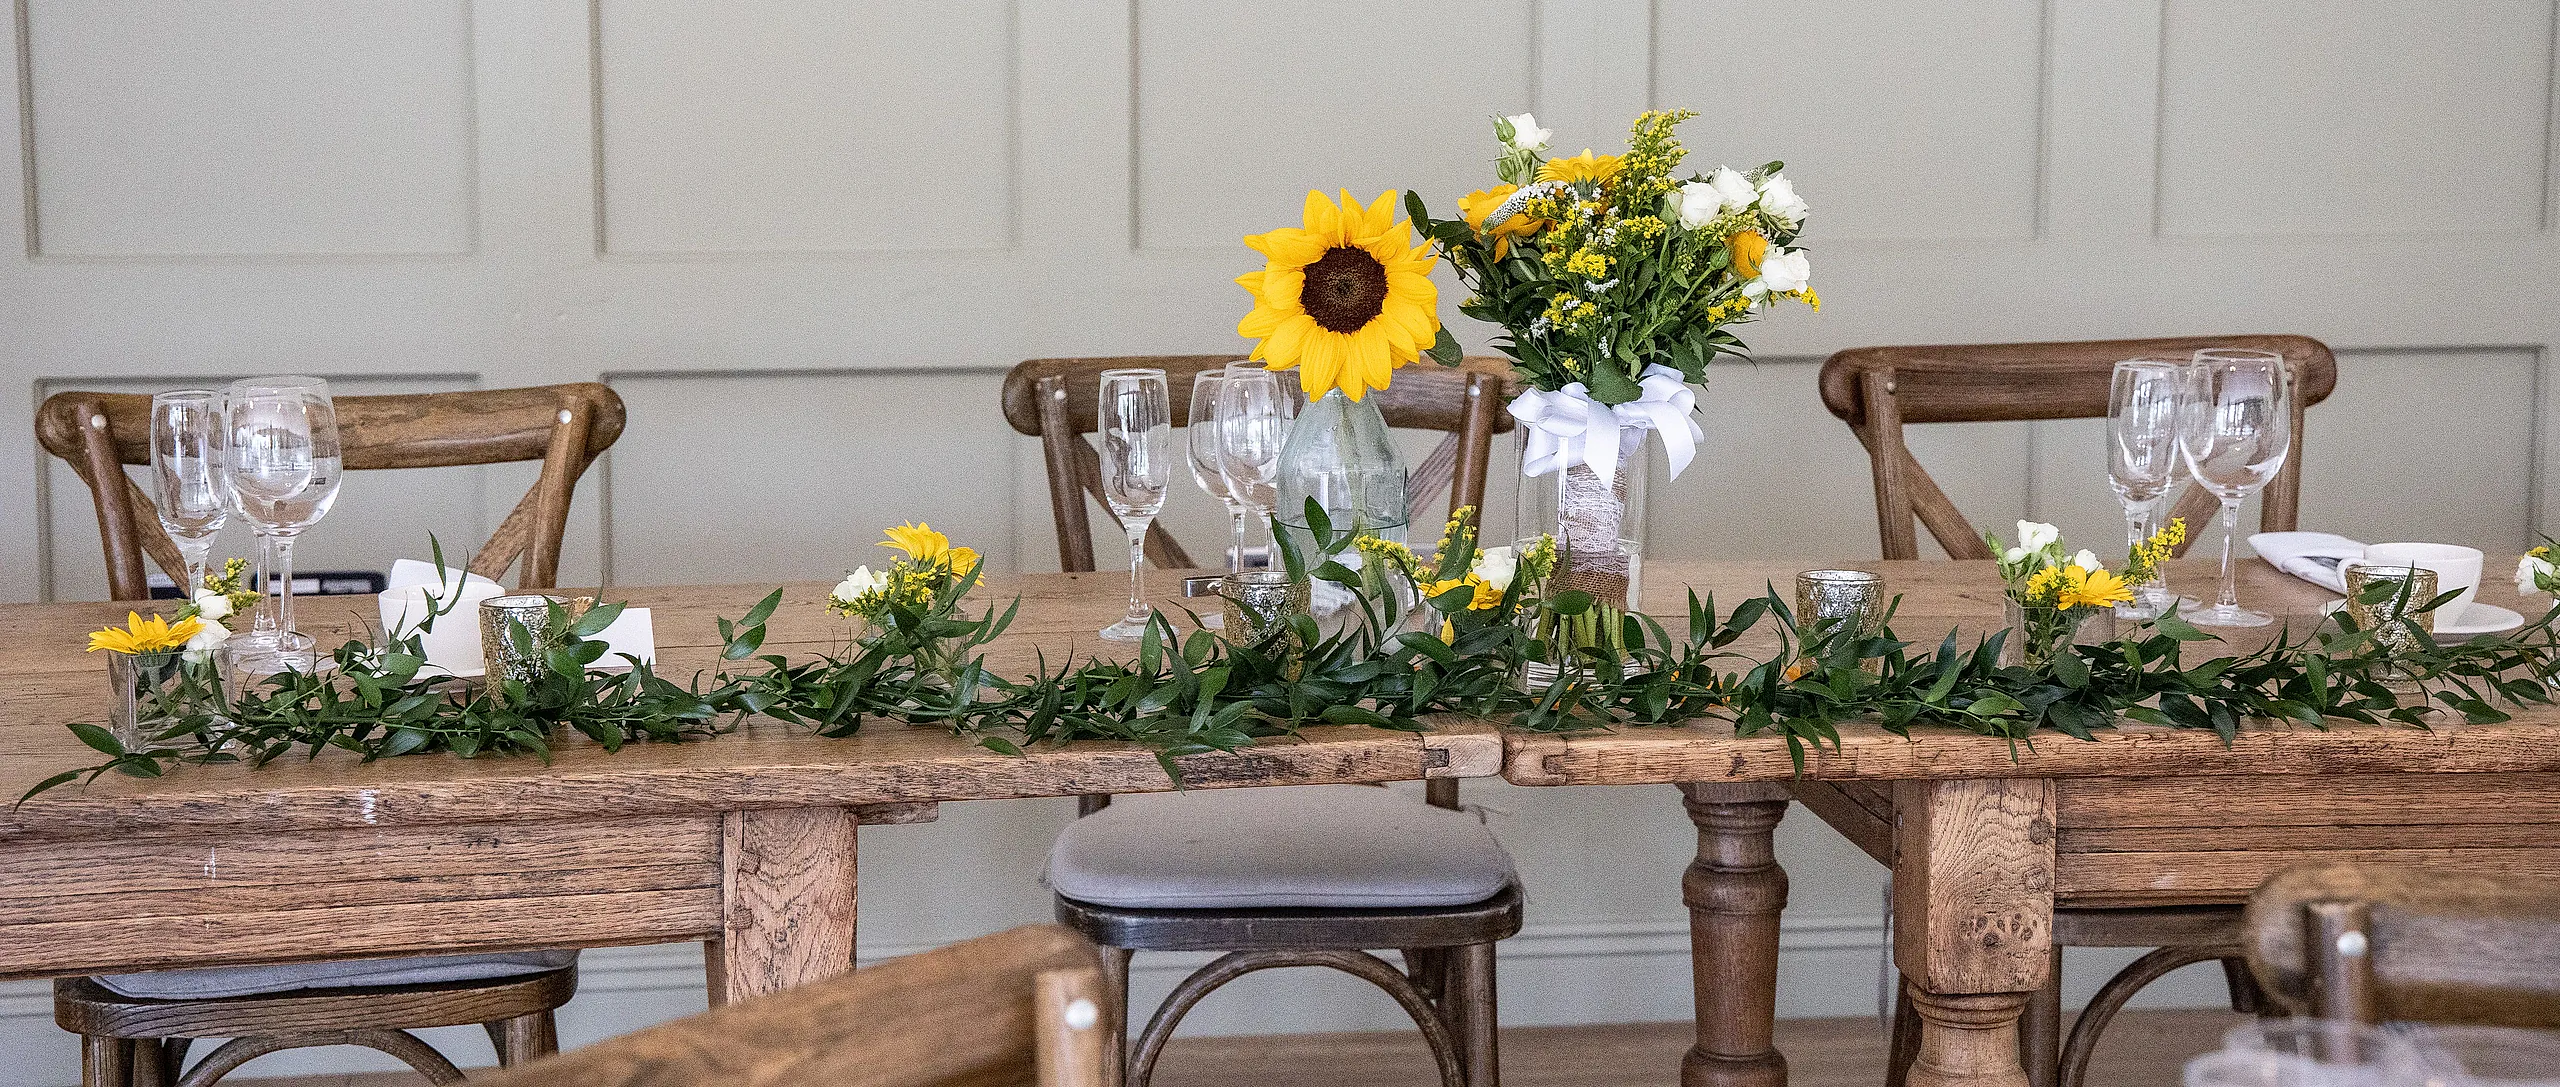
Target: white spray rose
(1525, 133)
(1785, 270)
(2087, 560)
(861, 581)
(1495, 566)
(2531, 572)
(209, 637)
(1732, 189)
(1698, 204)
(212, 606)
(1778, 197)
(2036, 535)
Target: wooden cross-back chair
(2372, 943)
(1877, 390)
(566, 427)
(1055, 400)
(1026, 1006)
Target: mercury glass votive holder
(505, 657)
(2390, 618)
(1260, 603)
(1854, 597)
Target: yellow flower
(1345, 299)
(920, 542)
(1487, 597)
(1431, 590)
(140, 635)
(2046, 585)
(2093, 589)
(1448, 632)
(1584, 167)
(1476, 205)
(1748, 247)
(961, 560)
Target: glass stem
(283, 571)
(196, 552)
(2230, 596)
(1137, 527)
(1235, 548)
(264, 621)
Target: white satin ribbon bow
(1568, 427)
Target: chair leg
(1906, 1037)
(2040, 1028)
(173, 1059)
(2246, 997)
(1115, 982)
(149, 1070)
(1468, 1004)
(105, 1062)
(523, 1038)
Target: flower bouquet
(2054, 602)
(1616, 281)
(910, 607)
(162, 672)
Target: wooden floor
(2142, 1049)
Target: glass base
(2207, 615)
(1126, 630)
(266, 653)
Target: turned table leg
(1973, 920)
(1735, 891)
(787, 901)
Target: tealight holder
(506, 659)
(1260, 603)
(2390, 618)
(1854, 597)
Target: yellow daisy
(2093, 589)
(962, 560)
(919, 541)
(1583, 167)
(1346, 298)
(140, 635)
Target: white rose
(1495, 566)
(2036, 535)
(1698, 204)
(1778, 197)
(1525, 133)
(1732, 189)
(2087, 560)
(2530, 573)
(1782, 270)
(2013, 555)
(211, 606)
(858, 583)
(209, 636)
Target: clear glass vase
(153, 693)
(1598, 526)
(2036, 635)
(1340, 454)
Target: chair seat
(217, 982)
(1315, 846)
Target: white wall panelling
(805, 241)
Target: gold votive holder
(2390, 618)
(1260, 603)
(506, 657)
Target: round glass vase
(2036, 635)
(1340, 454)
(1598, 526)
(151, 693)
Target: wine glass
(188, 440)
(1201, 440)
(1136, 424)
(2235, 426)
(283, 471)
(1254, 412)
(2142, 459)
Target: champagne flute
(1254, 413)
(1136, 425)
(1201, 440)
(2142, 460)
(188, 440)
(284, 468)
(2235, 427)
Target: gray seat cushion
(222, 981)
(1306, 846)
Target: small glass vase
(153, 693)
(1599, 527)
(1341, 455)
(2037, 635)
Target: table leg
(787, 901)
(1735, 891)
(1973, 920)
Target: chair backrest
(1878, 389)
(1020, 1007)
(566, 427)
(2374, 943)
(1055, 400)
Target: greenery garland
(1186, 694)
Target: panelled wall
(804, 240)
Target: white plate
(2476, 619)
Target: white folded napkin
(2317, 557)
(630, 633)
(417, 590)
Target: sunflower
(1583, 167)
(1344, 299)
(1476, 205)
(140, 635)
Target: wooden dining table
(748, 841)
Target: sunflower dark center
(1345, 289)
